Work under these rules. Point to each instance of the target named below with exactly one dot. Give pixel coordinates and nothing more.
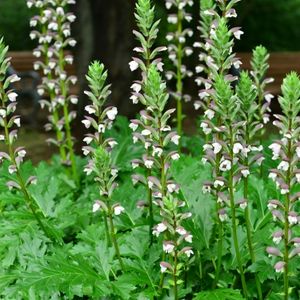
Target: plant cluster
(136, 217)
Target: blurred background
(104, 31)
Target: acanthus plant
(178, 50)
(147, 35)
(54, 37)
(15, 156)
(99, 150)
(286, 152)
(249, 153)
(158, 135)
(218, 60)
(260, 66)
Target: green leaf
(221, 294)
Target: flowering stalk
(247, 94)
(178, 51)
(15, 156)
(216, 60)
(260, 66)
(147, 34)
(286, 177)
(157, 135)
(54, 38)
(99, 150)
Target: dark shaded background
(103, 30)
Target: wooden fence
(280, 64)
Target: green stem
(233, 217)
(107, 230)
(175, 275)
(286, 222)
(249, 238)
(114, 239)
(179, 85)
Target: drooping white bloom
(175, 156)
(159, 228)
(112, 113)
(217, 147)
(168, 247)
(96, 206)
(284, 166)
(225, 165)
(12, 96)
(118, 209)
(133, 65)
(237, 148)
(209, 113)
(175, 139)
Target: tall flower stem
(286, 220)
(179, 78)
(113, 236)
(249, 228)
(64, 91)
(234, 219)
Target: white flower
(157, 151)
(269, 97)
(206, 189)
(146, 132)
(209, 113)
(3, 113)
(199, 69)
(205, 128)
(175, 156)
(171, 187)
(218, 183)
(188, 238)
(88, 140)
(245, 172)
(133, 65)
(159, 228)
(277, 239)
(293, 219)
(172, 19)
(118, 209)
(90, 109)
(168, 247)
(12, 169)
(149, 163)
(133, 126)
(112, 113)
(284, 166)
(17, 121)
(237, 148)
(284, 191)
(22, 153)
(86, 123)
(74, 100)
(243, 205)
(217, 147)
(225, 165)
(223, 217)
(298, 152)
(272, 175)
(175, 139)
(101, 128)
(298, 177)
(238, 34)
(12, 96)
(134, 99)
(189, 252)
(136, 87)
(163, 268)
(2, 137)
(181, 231)
(96, 206)
(275, 149)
